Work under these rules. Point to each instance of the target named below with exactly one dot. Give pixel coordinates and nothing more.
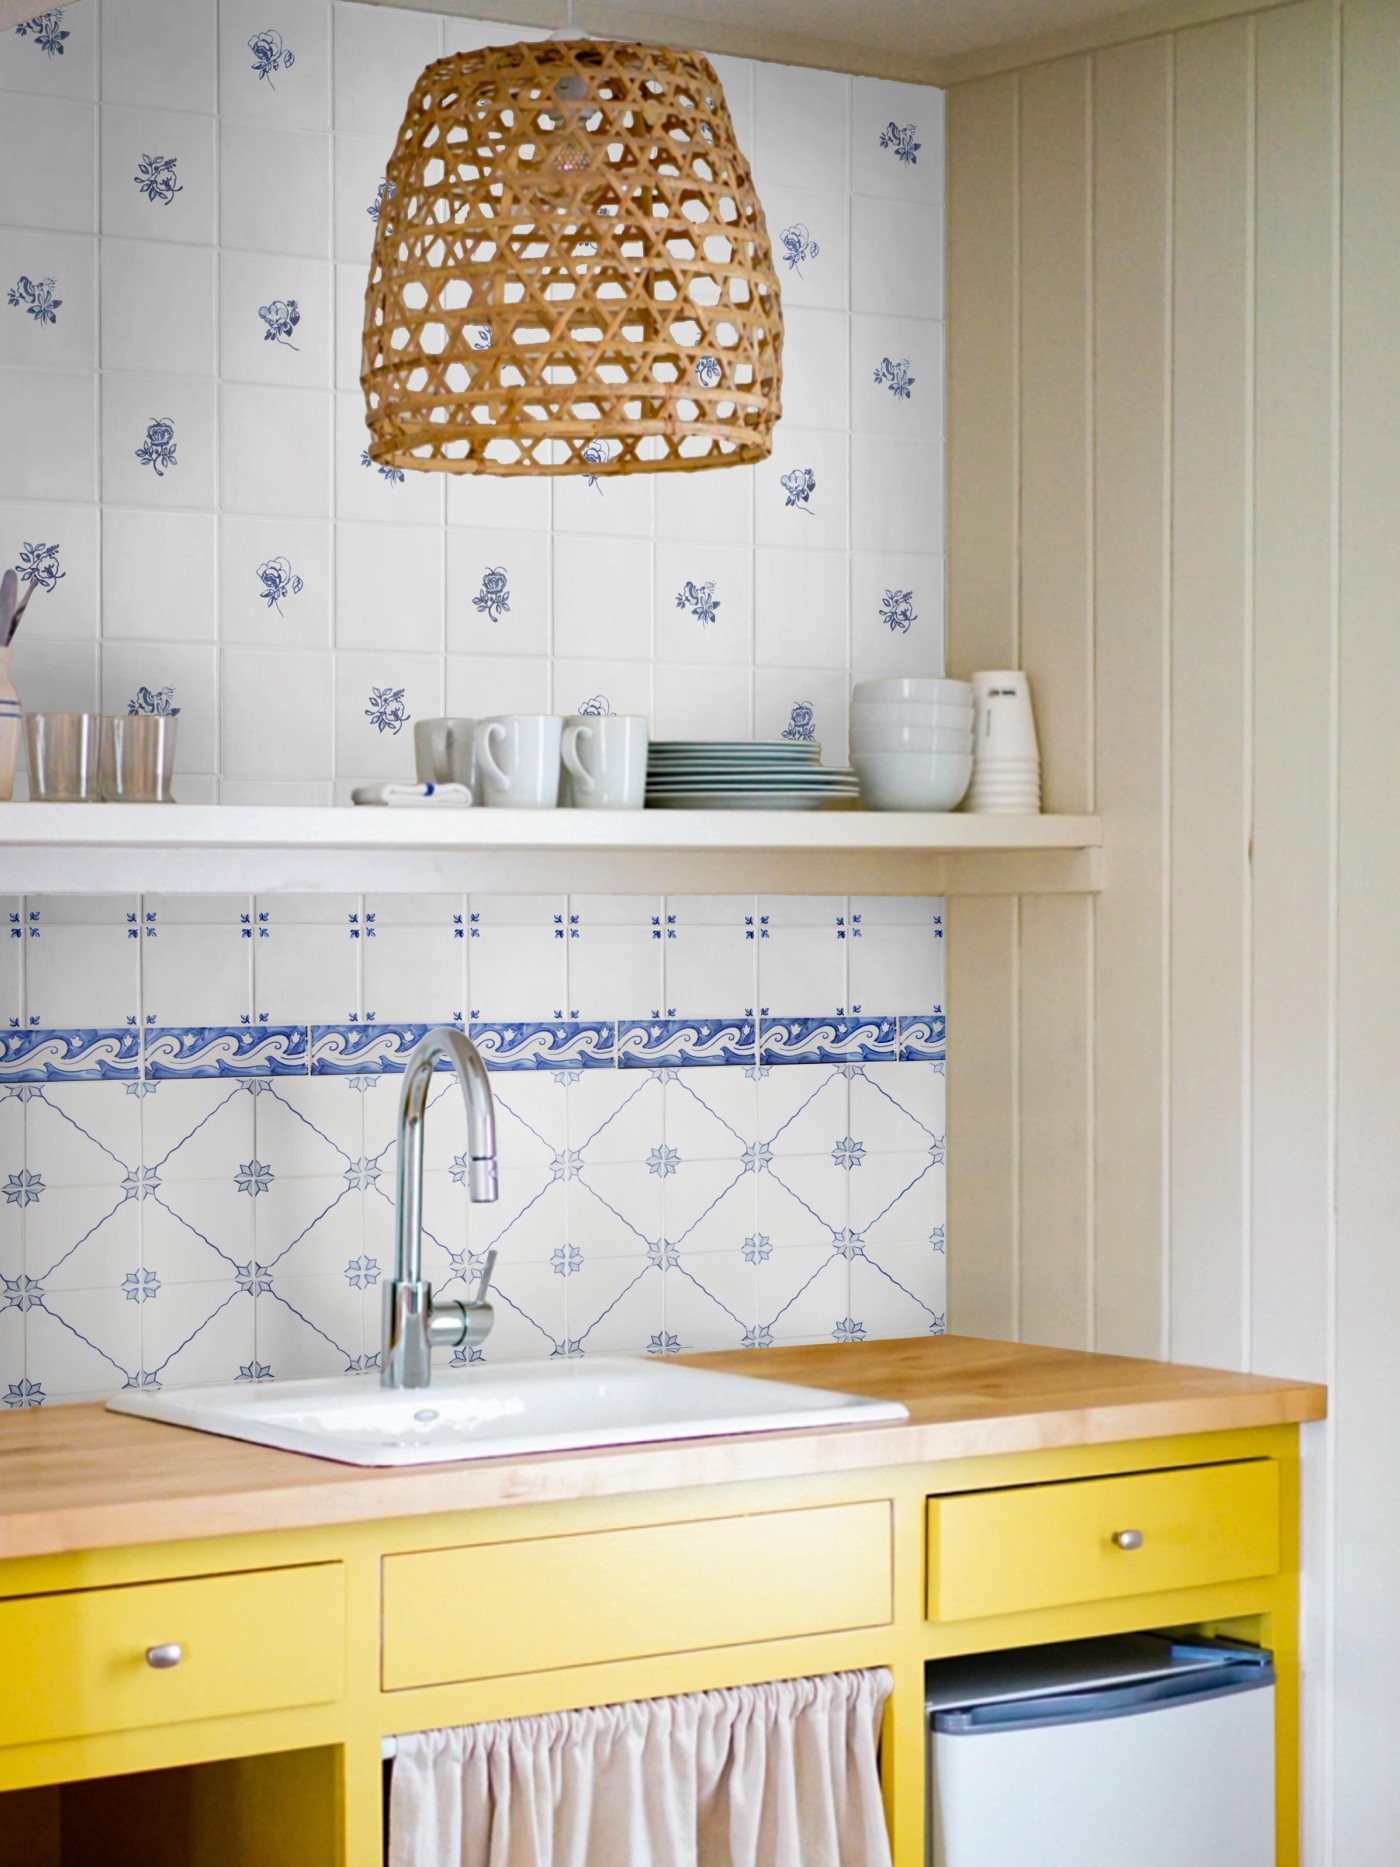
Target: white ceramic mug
(517, 760)
(605, 761)
(444, 752)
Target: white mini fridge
(1095, 1752)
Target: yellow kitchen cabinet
(324, 1608)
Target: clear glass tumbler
(63, 757)
(138, 756)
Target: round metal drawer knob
(163, 1658)
(1128, 1539)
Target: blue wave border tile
(364, 1049)
(563, 1045)
(70, 1056)
(231, 1050)
(827, 1040)
(923, 1038)
(666, 1043)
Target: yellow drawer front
(627, 1594)
(1045, 1546)
(74, 1665)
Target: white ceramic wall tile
(896, 613)
(713, 506)
(896, 495)
(471, 35)
(274, 190)
(897, 140)
(897, 377)
(801, 491)
(811, 246)
(275, 713)
(801, 612)
(48, 317)
(158, 307)
(377, 697)
(486, 500)
(276, 74)
(602, 686)
(379, 56)
(159, 441)
(389, 587)
(52, 58)
(498, 593)
(48, 164)
(56, 415)
(276, 320)
(816, 369)
(802, 128)
(59, 545)
(275, 448)
(603, 597)
(197, 974)
(160, 52)
(359, 181)
(704, 604)
(614, 508)
(896, 259)
(478, 686)
(798, 701)
(701, 703)
(158, 576)
(190, 674)
(158, 176)
(365, 491)
(275, 582)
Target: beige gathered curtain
(783, 1775)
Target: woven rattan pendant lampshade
(571, 272)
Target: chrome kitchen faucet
(414, 1324)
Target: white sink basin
(503, 1411)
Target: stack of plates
(744, 774)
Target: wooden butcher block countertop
(80, 1478)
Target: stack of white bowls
(1006, 755)
(911, 743)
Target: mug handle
(573, 763)
(487, 733)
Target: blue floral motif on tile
(155, 178)
(156, 700)
(700, 600)
(597, 706)
(140, 1286)
(923, 1039)
(897, 611)
(386, 711)
(664, 1344)
(597, 454)
(253, 1177)
(141, 1182)
(757, 1248)
(362, 1273)
(827, 1040)
(60, 1056)
(799, 485)
(394, 475)
(848, 1153)
(270, 55)
(46, 32)
(23, 1188)
(277, 581)
(493, 598)
(238, 1051)
(798, 246)
(901, 139)
(802, 722)
(39, 564)
(848, 1330)
(662, 1161)
(896, 378)
(566, 1261)
(364, 1049)
(362, 1175)
(281, 317)
(25, 1393)
(689, 1041)
(480, 336)
(255, 1371)
(36, 297)
(384, 192)
(21, 1293)
(708, 373)
(157, 451)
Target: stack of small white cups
(1006, 756)
(911, 743)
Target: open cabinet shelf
(259, 849)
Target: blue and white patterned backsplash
(721, 1120)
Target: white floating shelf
(260, 849)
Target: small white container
(920, 688)
(1005, 720)
(912, 780)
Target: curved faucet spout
(411, 1323)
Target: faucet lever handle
(487, 1271)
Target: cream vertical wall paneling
(1132, 459)
(1367, 1374)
